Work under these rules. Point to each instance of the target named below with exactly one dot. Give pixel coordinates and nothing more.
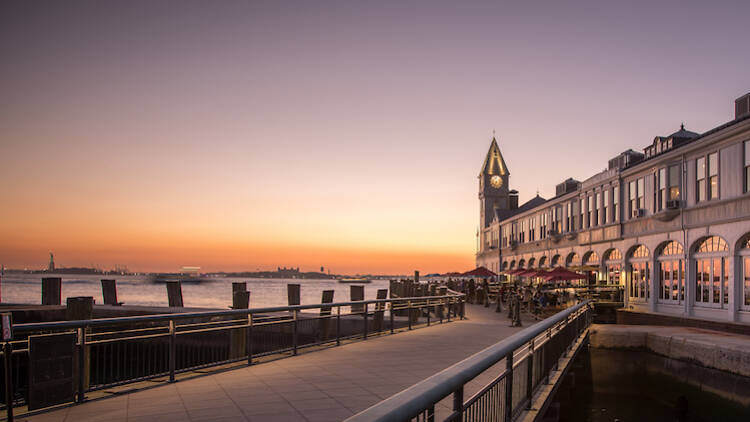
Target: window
(580, 214)
(745, 274)
(711, 275)
(569, 225)
(713, 176)
(674, 182)
(636, 196)
(605, 207)
(522, 232)
(613, 262)
(532, 229)
(514, 232)
(747, 166)
(615, 203)
(671, 273)
(700, 179)
(640, 277)
(557, 219)
(592, 221)
(661, 190)
(543, 226)
(597, 207)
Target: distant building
(670, 225)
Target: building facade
(670, 225)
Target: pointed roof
(494, 163)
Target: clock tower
(494, 193)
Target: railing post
(172, 349)
(431, 414)
(7, 355)
(428, 312)
(530, 374)
(81, 364)
(390, 316)
(408, 307)
(338, 325)
(463, 307)
(364, 315)
(458, 403)
(448, 305)
(249, 344)
(508, 387)
(294, 333)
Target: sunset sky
(255, 134)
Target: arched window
(671, 259)
(513, 264)
(555, 261)
(505, 265)
(711, 272)
(573, 260)
(613, 263)
(522, 263)
(639, 274)
(542, 262)
(531, 263)
(591, 258)
(744, 252)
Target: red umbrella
(533, 273)
(479, 272)
(560, 273)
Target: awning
(479, 272)
(560, 274)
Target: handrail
(415, 399)
(166, 317)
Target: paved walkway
(325, 385)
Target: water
(215, 294)
(633, 385)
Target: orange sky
(238, 136)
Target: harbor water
(214, 293)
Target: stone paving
(325, 385)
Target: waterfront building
(670, 225)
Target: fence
(115, 351)
(529, 357)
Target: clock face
(496, 181)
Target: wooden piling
(51, 291)
(325, 313)
(293, 294)
(77, 309)
(357, 293)
(380, 310)
(109, 292)
(174, 294)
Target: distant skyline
(244, 135)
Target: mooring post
(109, 292)
(80, 309)
(530, 374)
(357, 293)
(249, 339)
(174, 294)
(294, 332)
(338, 325)
(325, 314)
(51, 291)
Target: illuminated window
(711, 273)
(671, 273)
(746, 177)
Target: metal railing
(529, 356)
(115, 351)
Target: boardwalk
(325, 385)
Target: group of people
(516, 297)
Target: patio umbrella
(534, 273)
(479, 272)
(561, 274)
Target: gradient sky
(245, 135)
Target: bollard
(109, 292)
(238, 337)
(239, 286)
(174, 294)
(51, 291)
